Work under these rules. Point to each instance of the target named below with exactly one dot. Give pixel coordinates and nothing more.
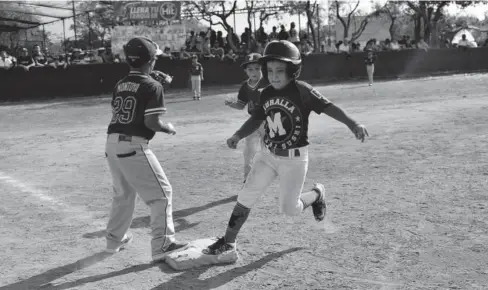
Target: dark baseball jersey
(249, 95)
(286, 114)
(135, 96)
(370, 60)
(196, 69)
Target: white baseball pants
(196, 85)
(252, 144)
(291, 171)
(370, 72)
(136, 170)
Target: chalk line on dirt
(74, 212)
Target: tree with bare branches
(207, 10)
(313, 18)
(392, 10)
(347, 12)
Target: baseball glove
(161, 77)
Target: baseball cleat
(319, 207)
(199, 98)
(221, 247)
(115, 246)
(156, 257)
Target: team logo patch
(284, 123)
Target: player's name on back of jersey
(128, 87)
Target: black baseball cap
(140, 50)
(251, 58)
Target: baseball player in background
(137, 109)
(196, 77)
(369, 61)
(284, 108)
(249, 95)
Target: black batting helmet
(285, 51)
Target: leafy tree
(428, 14)
(93, 28)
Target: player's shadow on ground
(188, 277)
(181, 223)
(42, 281)
(142, 222)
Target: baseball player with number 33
(284, 107)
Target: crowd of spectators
(211, 44)
(21, 58)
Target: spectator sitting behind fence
(6, 61)
(38, 57)
(422, 45)
(344, 47)
(293, 35)
(24, 60)
(231, 55)
(283, 35)
(167, 53)
(273, 35)
(217, 51)
(330, 47)
(60, 62)
(184, 54)
(76, 57)
(92, 58)
(465, 43)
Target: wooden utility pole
(74, 22)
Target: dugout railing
(95, 79)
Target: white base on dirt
(192, 256)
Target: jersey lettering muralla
(286, 113)
(135, 97)
(249, 95)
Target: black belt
(127, 138)
(285, 152)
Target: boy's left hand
(360, 132)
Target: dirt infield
(408, 209)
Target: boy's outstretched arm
(235, 105)
(340, 115)
(246, 129)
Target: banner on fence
(154, 10)
(172, 36)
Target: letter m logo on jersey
(275, 125)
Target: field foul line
(73, 212)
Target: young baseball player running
(249, 95)
(137, 109)
(284, 107)
(196, 77)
